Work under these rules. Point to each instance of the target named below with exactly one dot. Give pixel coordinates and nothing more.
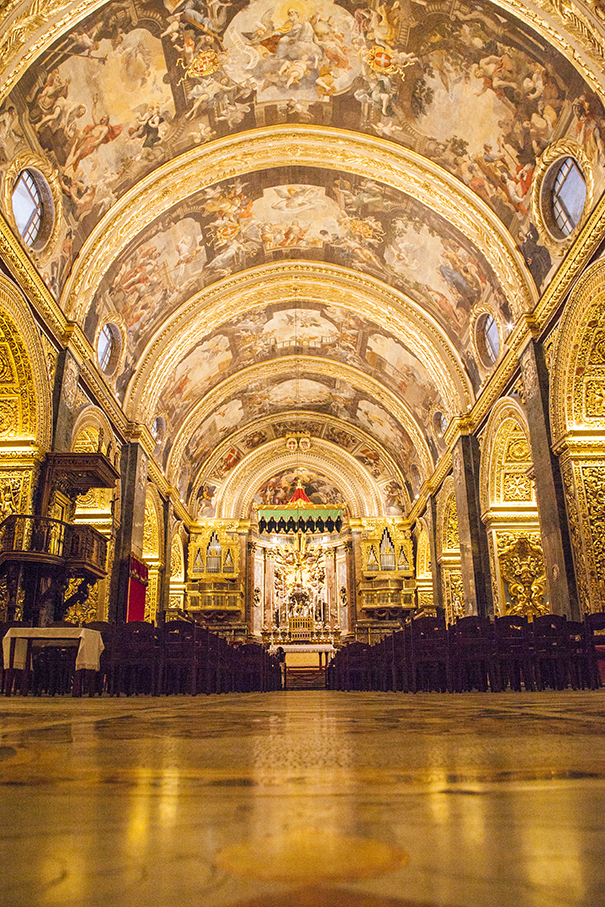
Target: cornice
(23, 269)
(572, 267)
(313, 147)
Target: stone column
(554, 530)
(431, 518)
(129, 540)
(352, 549)
(64, 399)
(474, 550)
(164, 588)
(249, 583)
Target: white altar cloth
(89, 649)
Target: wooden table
(18, 646)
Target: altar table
(18, 643)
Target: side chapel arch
(25, 402)
(577, 409)
(510, 513)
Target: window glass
(568, 196)
(491, 337)
(27, 207)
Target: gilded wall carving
(522, 570)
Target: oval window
(567, 196)
(32, 208)
(158, 428)
(488, 339)
(109, 344)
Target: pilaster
(554, 530)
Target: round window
(566, 189)
(488, 339)
(32, 208)
(109, 344)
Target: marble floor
(304, 799)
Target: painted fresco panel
(137, 83)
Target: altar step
(305, 678)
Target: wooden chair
(472, 654)
(512, 653)
(578, 656)
(428, 655)
(178, 663)
(137, 659)
(550, 652)
(356, 674)
(399, 668)
(594, 629)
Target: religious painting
(280, 488)
(136, 84)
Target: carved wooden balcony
(30, 539)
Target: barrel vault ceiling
(298, 214)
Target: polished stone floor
(304, 799)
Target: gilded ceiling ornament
(314, 282)
(311, 146)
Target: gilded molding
(311, 146)
(261, 286)
(307, 365)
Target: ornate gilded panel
(522, 571)
(214, 552)
(453, 594)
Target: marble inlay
(304, 799)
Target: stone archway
(577, 407)
(510, 513)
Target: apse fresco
(353, 222)
(136, 84)
(330, 396)
(309, 329)
(216, 474)
(280, 488)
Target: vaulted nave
(302, 452)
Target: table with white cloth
(18, 644)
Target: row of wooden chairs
(140, 659)
(477, 654)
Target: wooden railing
(24, 537)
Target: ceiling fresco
(136, 84)
(270, 395)
(281, 330)
(296, 216)
(217, 468)
(276, 215)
